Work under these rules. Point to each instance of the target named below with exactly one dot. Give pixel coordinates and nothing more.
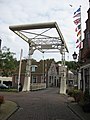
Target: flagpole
(81, 30)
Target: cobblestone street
(41, 105)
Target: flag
(79, 45)
(77, 21)
(77, 15)
(78, 40)
(79, 33)
(78, 28)
(77, 11)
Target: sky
(16, 12)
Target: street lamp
(74, 56)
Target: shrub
(86, 101)
(78, 95)
(86, 96)
(70, 93)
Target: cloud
(14, 12)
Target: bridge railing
(38, 86)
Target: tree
(8, 64)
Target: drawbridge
(45, 37)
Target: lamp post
(20, 69)
(0, 44)
(43, 68)
(75, 57)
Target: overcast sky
(16, 12)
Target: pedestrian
(20, 87)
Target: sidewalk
(78, 111)
(7, 109)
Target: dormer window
(33, 68)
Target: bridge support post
(63, 72)
(27, 81)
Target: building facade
(85, 57)
(40, 73)
(44, 71)
(53, 75)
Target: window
(87, 40)
(16, 78)
(49, 79)
(87, 77)
(33, 68)
(34, 79)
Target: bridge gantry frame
(35, 36)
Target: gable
(52, 69)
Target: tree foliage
(72, 65)
(8, 63)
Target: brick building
(40, 72)
(85, 57)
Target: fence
(38, 86)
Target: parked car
(3, 86)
